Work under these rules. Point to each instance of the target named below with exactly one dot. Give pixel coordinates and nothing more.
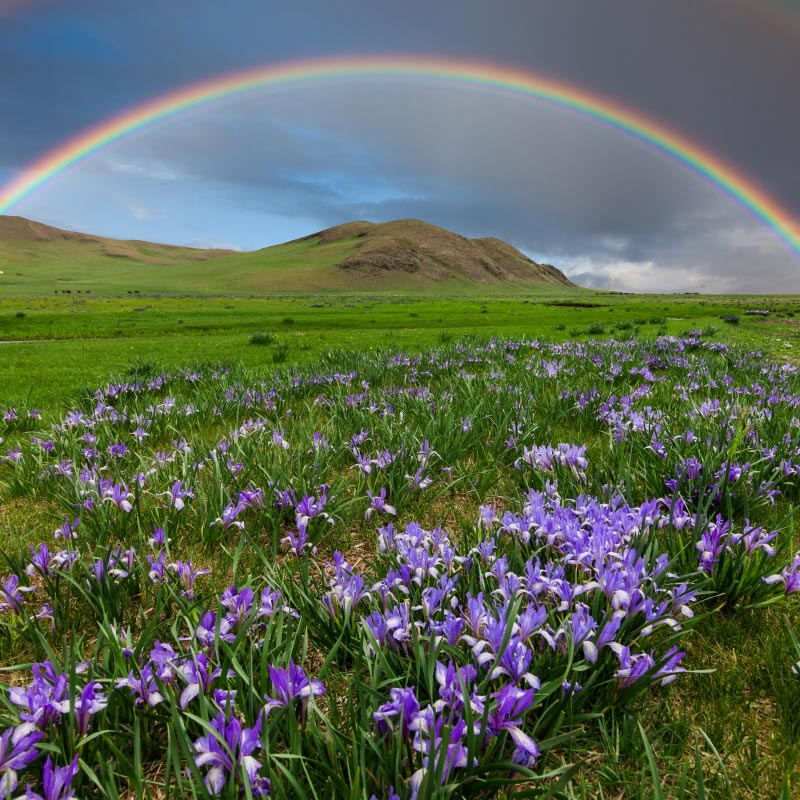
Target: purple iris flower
(118, 449)
(279, 439)
(319, 442)
(56, 782)
(251, 497)
(270, 599)
(403, 707)
(119, 495)
(139, 434)
(143, 687)
(178, 495)
(15, 455)
(46, 612)
(228, 518)
(164, 658)
(285, 498)
(309, 508)
(711, 545)
(632, 666)
(87, 704)
(41, 700)
(239, 603)
(205, 632)
(40, 560)
(158, 539)
(378, 503)
(515, 662)
(292, 684)
(157, 571)
(418, 480)
(755, 538)
(451, 628)
(297, 540)
(199, 676)
(120, 565)
(789, 577)
(454, 689)
(363, 462)
(67, 529)
(669, 670)
(346, 588)
(17, 750)
(398, 621)
(228, 749)
(438, 756)
(187, 574)
(12, 595)
(511, 705)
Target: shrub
(279, 352)
(262, 338)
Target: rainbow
(452, 72)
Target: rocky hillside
(426, 251)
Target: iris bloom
(177, 495)
(378, 503)
(86, 706)
(56, 782)
(228, 518)
(12, 595)
(290, 685)
(403, 707)
(17, 750)
(119, 495)
(228, 748)
(789, 577)
(512, 703)
(40, 702)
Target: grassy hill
(406, 255)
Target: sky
(268, 166)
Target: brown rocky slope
(427, 251)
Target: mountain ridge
(417, 247)
(402, 255)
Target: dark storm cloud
(485, 161)
(552, 184)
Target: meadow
(355, 546)
(55, 346)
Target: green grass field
(55, 346)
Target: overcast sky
(270, 166)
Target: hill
(412, 247)
(405, 255)
(18, 231)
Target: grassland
(55, 346)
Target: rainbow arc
(469, 74)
